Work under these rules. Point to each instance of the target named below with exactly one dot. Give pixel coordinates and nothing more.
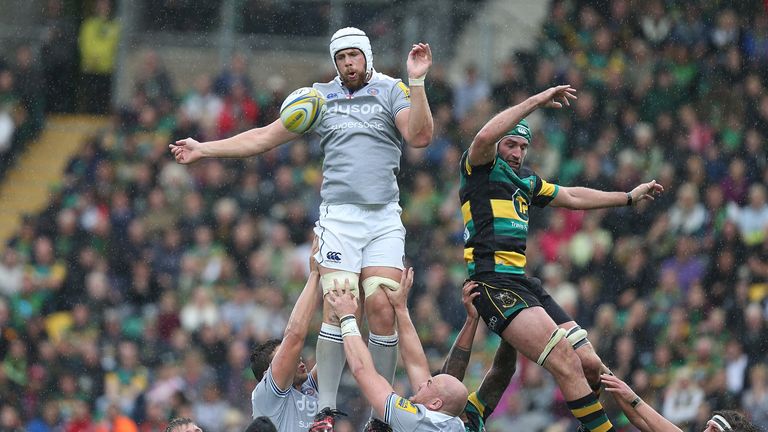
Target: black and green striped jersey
(476, 414)
(494, 205)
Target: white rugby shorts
(355, 236)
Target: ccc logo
(333, 256)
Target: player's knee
(577, 337)
(381, 316)
(592, 365)
(339, 279)
(563, 362)
(373, 284)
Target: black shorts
(502, 297)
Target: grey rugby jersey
(290, 410)
(361, 143)
(404, 416)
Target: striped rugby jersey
(494, 206)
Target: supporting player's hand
(618, 388)
(341, 299)
(557, 97)
(646, 191)
(399, 299)
(467, 296)
(313, 265)
(186, 151)
(419, 60)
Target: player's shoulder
(384, 80)
(326, 86)
(525, 172)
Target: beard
(354, 84)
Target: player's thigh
(553, 309)
(386, 245)
(530, 331)
(342, 235)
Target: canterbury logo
(333, 256)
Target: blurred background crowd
(138, 292)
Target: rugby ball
(302, 110)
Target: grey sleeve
(267, 398)
(400, 97)
(401, 414)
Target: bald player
(438, 400)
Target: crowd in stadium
(136, 295)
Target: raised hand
(186, 150)
(558, 96)
(467, 296)
(419, 60)
(341, 299)
(399, 298)
(313, 265)
(646, 191)
(619, 388)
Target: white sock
(384, 352)
(330, 364)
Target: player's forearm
(358, 357)
(420, 123)
(458, 357)
(245, 144)
(499, 375)
(414, 359)
(504, 121)
(301, 315)
(645, 418)
(581, 198)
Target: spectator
(755, 399)
(98, 40)
(469, 93)
(682, 399)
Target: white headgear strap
(721, 423)
(351, 37)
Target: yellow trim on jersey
(468, 254)
(509, 258)
(405, 89)
(504, 209)
(475, 401)
(466, 212)
(467, 165)
(547, 189)
(582, 412)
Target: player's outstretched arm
(414, 359)
(642, 415)
(375, 387)
(581, 198)
(415, 123)
(498, 377)
(483, 148)
(458, 357)
(248, 143)
(287, 355)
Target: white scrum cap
(351, 37)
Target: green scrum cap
(522, 130)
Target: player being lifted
(362, 238)
(496, 191)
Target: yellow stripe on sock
(583, 412)
(605, 427)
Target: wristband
(349, 326)
(417, 82)
(629, 199)
(636, 401)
